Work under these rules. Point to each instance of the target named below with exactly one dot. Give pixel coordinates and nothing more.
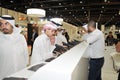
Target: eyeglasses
(5, 24)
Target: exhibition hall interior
(59, 39)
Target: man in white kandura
(44, 44)
(60, 38)
(13, 48)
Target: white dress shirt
(97, 44)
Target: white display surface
(69, 66)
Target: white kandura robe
(13, 54)
(42, 49)
(60, 39)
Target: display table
(69, 66)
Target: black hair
(92, 23)
(116, 41)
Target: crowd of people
(53, 42)
(14, 51)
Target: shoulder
(98, 32)
(20, 36)
(40, 38)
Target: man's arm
(93, 38)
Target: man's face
(50, 32)
(6, 27)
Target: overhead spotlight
(65, 8)
(11, 1)
(71, 4)
(101, 11)
(50, 9)
(60, 4)
(61, 15)
(73, 15)
(115, 14)
(82, 7)
(25, 6)
(69, 12)
(108, 1)
(105, 0)
(25, 11)
(103, 7)
(41, 5)
(56, 12)
(81, 2)
(14, 8)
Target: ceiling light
(65, 8)
(25, 6)
(69, 12)
(34, 12)
(103, 7)
(41, 5)
(59, 3)
(105, 0)
(81, 2)
(61, 15)
(115, 14)
(113, 17)
(11, 1)
(82, 7)
(71, 4)
(101, 11)
(108, 1)
(56, 12)
(50, 9)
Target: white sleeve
(26, 56)
(36, 52)
(93, 38)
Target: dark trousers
(119, 75)
(95, 66)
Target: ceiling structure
(76, 12)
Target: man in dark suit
(34, 36)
